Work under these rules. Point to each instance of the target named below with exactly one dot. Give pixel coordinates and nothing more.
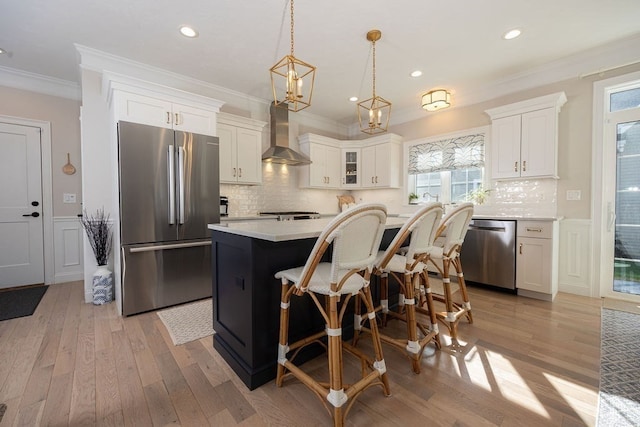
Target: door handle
(171, 185)
(181, 179)
(611, 216)
(33, 214)
(35, 203)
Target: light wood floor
(522, 363)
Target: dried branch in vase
(98, 229)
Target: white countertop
(279, 231)
(515, 217)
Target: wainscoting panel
(575, 247)
(67, 238)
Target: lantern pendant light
(292, 80)
(374, 113)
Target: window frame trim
(456, 134)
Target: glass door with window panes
(627, 209)
(625, 115)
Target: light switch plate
(574, 194)
(68, 197)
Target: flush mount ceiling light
(416, 73)
(287, 80)
(436, 100)
(353, 99)
(374, 113)
(187, 31)
(511, 34)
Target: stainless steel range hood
(279, 151)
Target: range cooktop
(293, 215)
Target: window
(446, 169)
(624, 99)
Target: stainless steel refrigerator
(169, 193)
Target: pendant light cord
(291, 27)
(374, 68)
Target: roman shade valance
(447, 154)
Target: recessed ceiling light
(416, 73)
(511, 34)
(187, 31)
(2, 51)
(353, 99)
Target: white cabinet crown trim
(555, 100)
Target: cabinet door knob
(520, 249)
(177, 119)
(515, 167)
(168, 118)
(240, 172)
(234, 172)
(524, 166)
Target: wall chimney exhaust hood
(279, 151)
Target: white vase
(102, 285)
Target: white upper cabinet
(240, 149)
(150, 104)
(381, 162)
(325, 155)
(367, 163)
(524, 138)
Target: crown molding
(32, 82)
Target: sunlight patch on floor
(513, 386)
(582, 399)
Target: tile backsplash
(522, 198)
(280, 192)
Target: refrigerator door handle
(171, 185)
(173, 246)
(181, 155)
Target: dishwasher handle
(486, 228)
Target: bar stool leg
(337, 396)
(283, 346)
(466, 304)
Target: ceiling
(457, 44)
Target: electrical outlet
(574, 194)
(68, 198)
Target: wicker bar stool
(406, 264)
(442, 257)
(355, 237)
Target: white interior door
(21, 225)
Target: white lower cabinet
(240, 150)
(537, 259)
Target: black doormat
(20, 302)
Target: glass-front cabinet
(350, 168)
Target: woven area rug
(619, 398)
(188, 322)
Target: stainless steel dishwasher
(489, 253)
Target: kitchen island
(246, 295)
